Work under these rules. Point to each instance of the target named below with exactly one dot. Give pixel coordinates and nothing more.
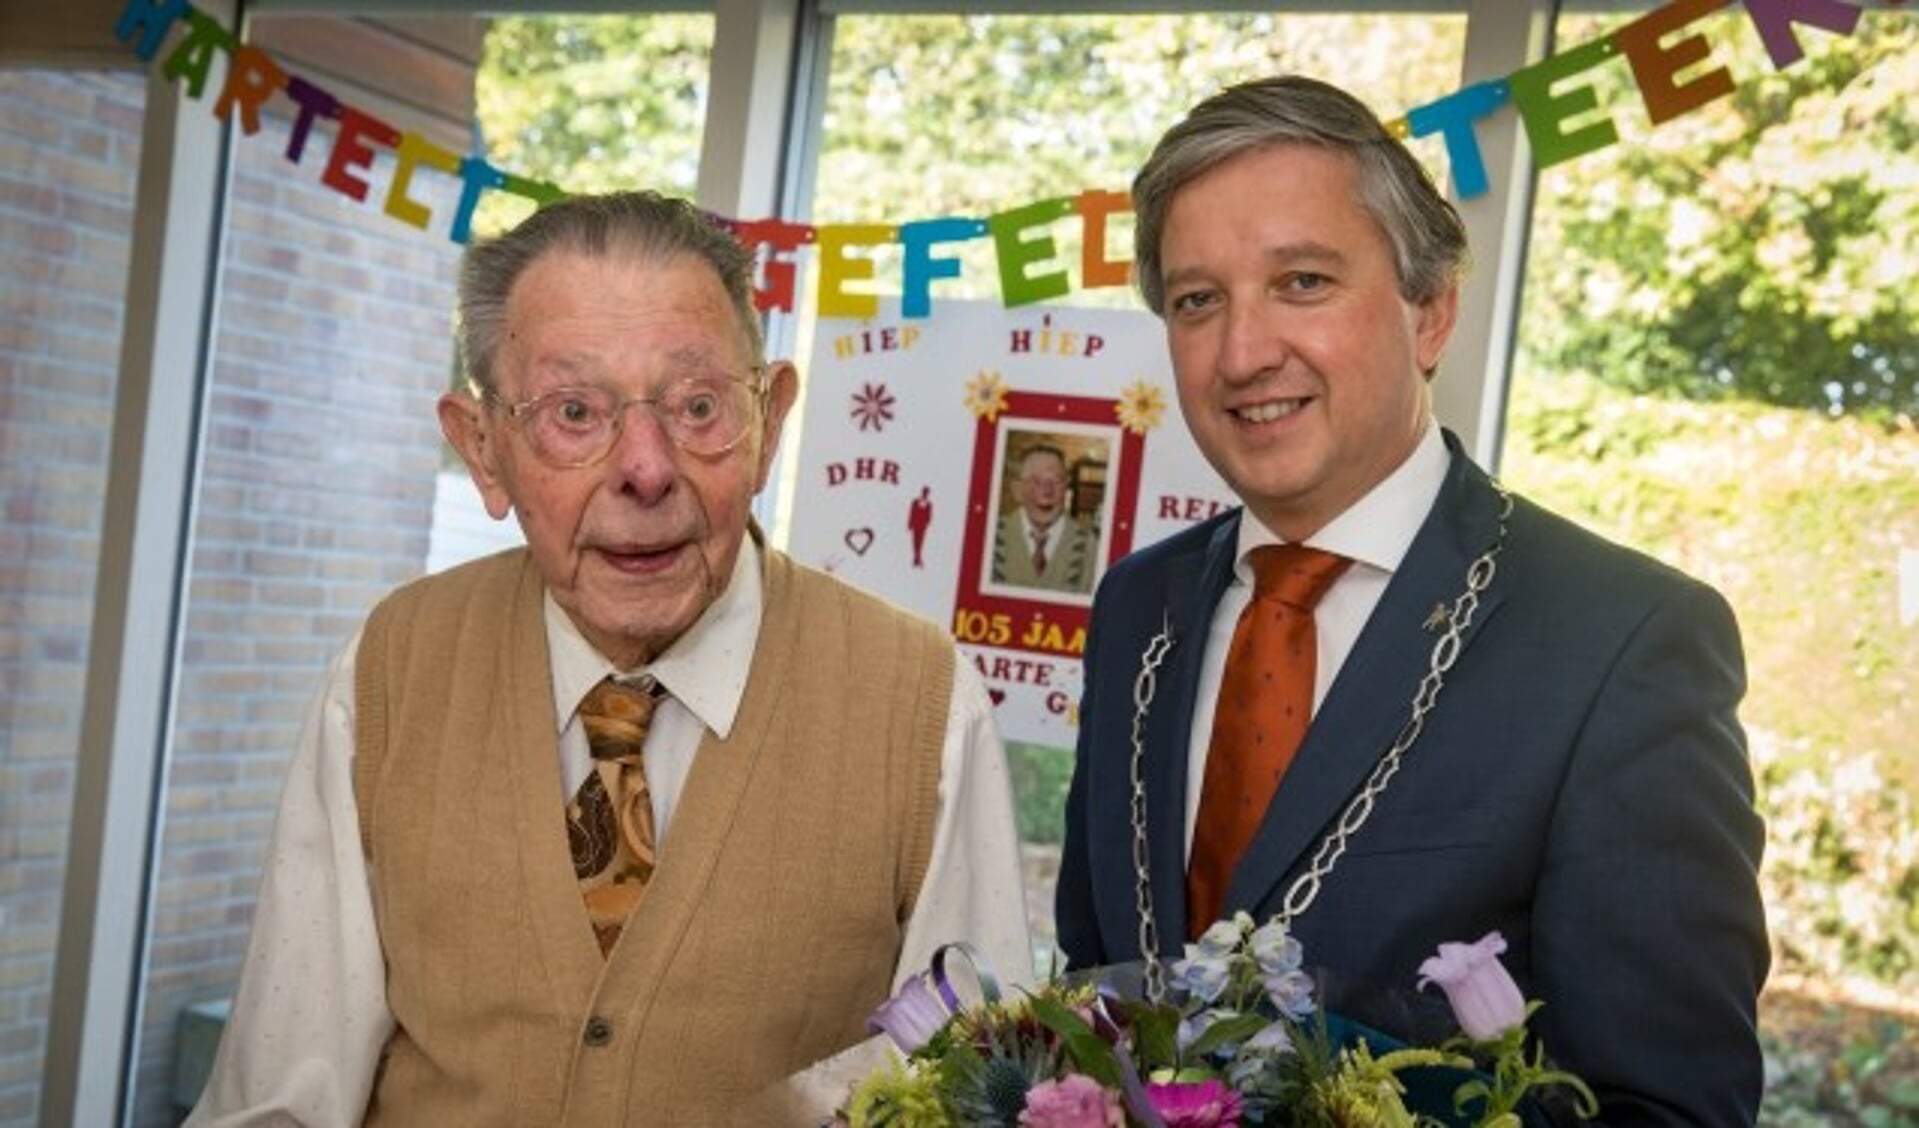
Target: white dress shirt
(1051, 533)
(1374, 533)
(310, 1018)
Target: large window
(1719, 364)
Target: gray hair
(648, 227)
(1427, 237)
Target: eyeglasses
(577, 426)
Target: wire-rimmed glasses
(577, 426)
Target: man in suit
(1544, 722)
(1039, 544)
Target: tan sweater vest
(773, 922)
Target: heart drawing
(859, 540)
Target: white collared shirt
(1052, 533)
(1375, 533)
(310, 1019)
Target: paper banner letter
(313, 102)
(193, 56)
(1018, 254)
(476, 176)
(414, 151)
(774, 289)
(917, 239)
(1545, 114)
(252, 78)
(350, 154)
(150, 22)
(1452, 117)
(1774, 19)
(1096, 270)
(837, 268)
(540, 192)
(1656, 68)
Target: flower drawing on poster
(986, 395)
(1141, 406)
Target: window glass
(1718, 363)
(325, 483)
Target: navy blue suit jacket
(1582, 786)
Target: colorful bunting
(1561, 115)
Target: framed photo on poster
(1054, 484)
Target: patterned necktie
(1265, 705)
(1039, 552)
(609, 823)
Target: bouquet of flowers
(1239, 1040)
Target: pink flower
(1074, 1101)
(912, 1016)
(1194, 1104)
(1483, 995)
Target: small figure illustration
(919, 518)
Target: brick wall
(69, 148)
(332, 343)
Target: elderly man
(622, 826)
(1039, 544)
(1400, 706)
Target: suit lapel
(1194, 583)
(1371, 700)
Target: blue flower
(1291, 993)
(1275, 950)
(1203, 976)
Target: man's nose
(1252, 340)
(644, 454)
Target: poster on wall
(983, 467)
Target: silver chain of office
(1305, 888)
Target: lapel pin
(1437, 621)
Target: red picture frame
(1041, 622)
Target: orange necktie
(1265, 705)
(610, 820)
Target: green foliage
(1041, 775)
(1872, 1081)
(944, 115)
(1797, 518)
(1757, 248)
(1843, 873)
(1088, 1052)
(593, 103)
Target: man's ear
(1433, 328)
(782, 388)
(464, 422)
